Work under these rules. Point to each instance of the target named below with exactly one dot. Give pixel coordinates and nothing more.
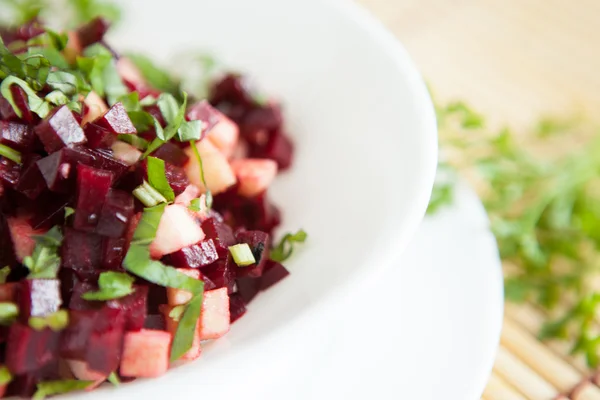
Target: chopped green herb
(51, 388)
(45, 260)
(284, 249)
(5, 376)
(65, 82)
(114, 379)
(142, 120)
(56, 321)
(86, 10)
(69, 211)
(8, 313)
(177, 312)
(9, 153)
(158, 179)
(190, 130)
(134, 140)
(36, 104)
(242, 255)
(209, 197)
(57, 98)
(173, 113)
(113, 285)
(155, 76)
(197, 205)
(148, 225)
(149, 196)
(186, 329)
(4, 272)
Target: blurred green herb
(544, 212)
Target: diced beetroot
(31, 182)
(38, 297)
(208, 284)
(93, 186)
(172, 325)
(28, 350)
(93, 31)
(237, 307)
(106, 341)
(7, 249)
(177, 178)
(221, 234)
(203, 111)
(77, 302)
(217, 172)
(221, 273)
(8, 292)
(126, 153)
(94, 108)
(178, 296)
(116, 120)
(58, 169)
(273, 273)
(177, 229)
(51, 211)
(157, 296)
(172, 154)
(155, 321)
(214, 319)
(254, 175)
(194, 256)
(59, 129)
(21, 100)
(68, 279)
(22, 234)
(265, 118)
(115, 215)
(114, 253)
(146, 353)
(17, 136)
(260, 244)
(134, 308)
(74, 339)
(98, 137)
(248, 288)
(82, 371)
(82, 252)
(10, 172)
(279, 148)
(24, 386)
(233, 88)
(251, 213)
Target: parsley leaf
(36, 104)
(113, 285)
(4, 272)
(158, 179)
(155, 76)
(8, 313)
(208, 193)
(114, 379)
(45, 260)
(56, 321)
(284, 249)
(184, 336)
(51, 388)
(5, 376)
(173, 113)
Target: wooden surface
(513, 60)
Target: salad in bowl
(134, 217)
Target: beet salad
(134, 217)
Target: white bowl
(365, 132)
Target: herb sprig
(544, 212)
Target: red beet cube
(233, 88)
(266, 118)
(17, 136)
(203, 111)
(59, 129)
(98, 137)
(38, 297)
(172, 154)
(248, 288)
(74, 339)
(24, 386)
(114, 253)
(260, 244)
(8, 292)
(92, 32)
(221, 273)
(273, 273)
(31, 182)
(28, 350)
(93, 186)
(10, 172)
(116, 120)
(58, 169)
(77, 302)
(155, 321)
(237, 307)
(7, 251)
(22, 102)
(82, 252)
(51, 211)
(194, 256)
(134, 308)
(115, 215)
(220, 233)
(106, 341)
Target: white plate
(365, 132)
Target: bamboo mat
(513, 60)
